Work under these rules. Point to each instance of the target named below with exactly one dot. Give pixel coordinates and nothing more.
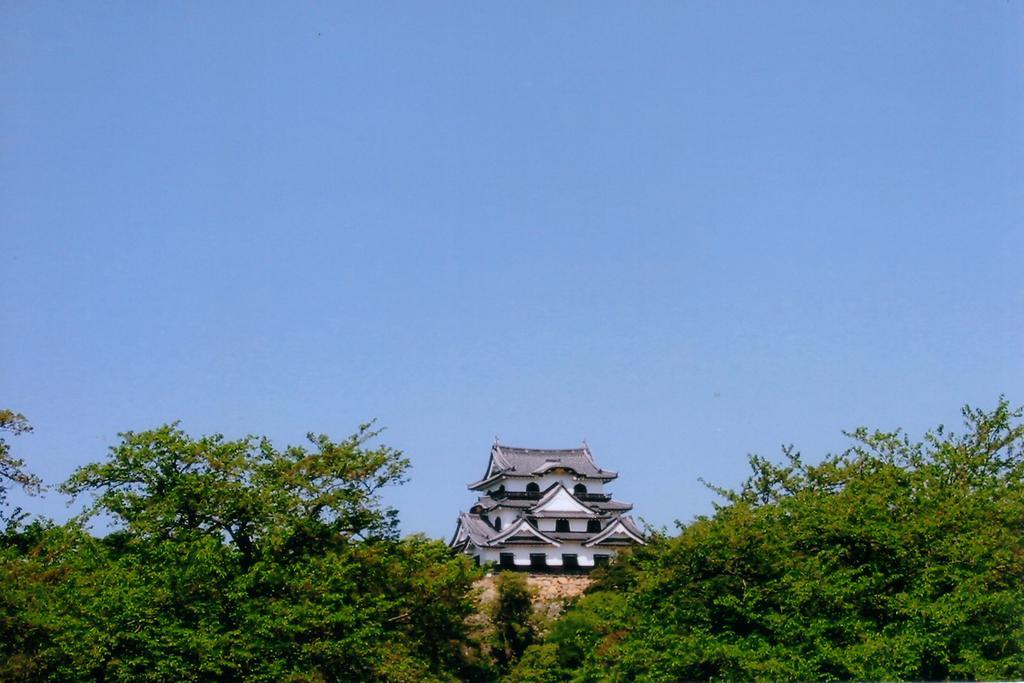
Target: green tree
(512, 617)
(163, 484)
(539, 664)
(23, 630)
(12, 469)
(234, 560)
(896, 559)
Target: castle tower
(544, 510)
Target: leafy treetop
(12, 470)
(163, 483)
(896, 559)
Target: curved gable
(522, 528)
(618, 533)
(560, 501)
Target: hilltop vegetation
(235, 560)
(895, 560)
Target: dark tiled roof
(532, 462)
(627, 521)
(612, 505)
(482, 534)
(595, 503)
(540, 460)
(478, 531)
(489, 503)
(608, 537)
(572, 535)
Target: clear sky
(682, 231)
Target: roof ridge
(527, 449)
(589, 456)
(498, 457)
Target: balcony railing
(514, 495)
(535, 495)
(595, 497)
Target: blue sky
(682, 231)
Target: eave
(516, 528)
(619, 527)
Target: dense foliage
(233, 560)
(512, 618)
(893, 560)
(236, 560)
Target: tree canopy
(234, 560)
(162, 483)
(896, 559)
(12, 469)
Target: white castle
(544, 510)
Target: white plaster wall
(585, 556)
(505, 518)
(544, 523)
(593, 485)
(547, 524)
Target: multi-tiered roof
(544, 509)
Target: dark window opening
(601, 560)
(538, 561)
(507, 560)
(579, 490)
(532, 488)
(593, 526)
(561, 525)
(569, 561)
(497, 523)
